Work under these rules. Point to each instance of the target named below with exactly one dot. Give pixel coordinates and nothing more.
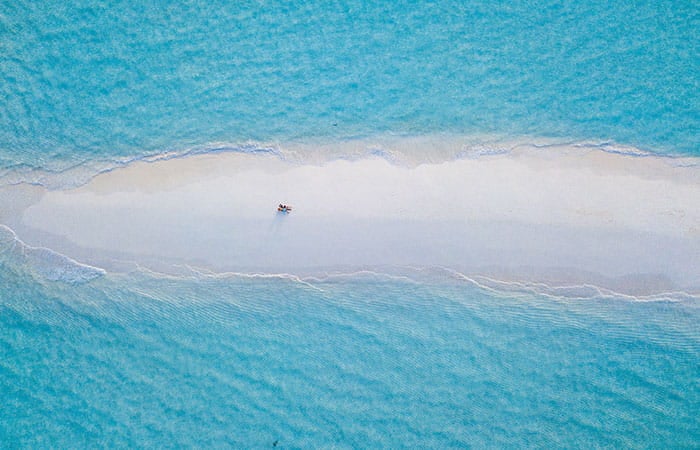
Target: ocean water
(92, 80)
(144, 361)
(95, 359)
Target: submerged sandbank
(563, 215)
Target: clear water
(145, 361)
(92, 79)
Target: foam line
(399, 150)
(408, 274)
(45, 262)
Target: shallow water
(367, 362)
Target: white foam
(45, 262)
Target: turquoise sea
(358, 361)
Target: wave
(500, 287)
(73, 175)
(50, 265)
(399, 150)
(413, 275)
(567, 292)
(43, 262)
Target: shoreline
(528, 212)
(555, 283)
(402, 150)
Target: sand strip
(529, 213)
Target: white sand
(564, 214)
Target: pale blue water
(145, 361)
(365, 363)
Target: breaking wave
(44, 262)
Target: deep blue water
(147, 361)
